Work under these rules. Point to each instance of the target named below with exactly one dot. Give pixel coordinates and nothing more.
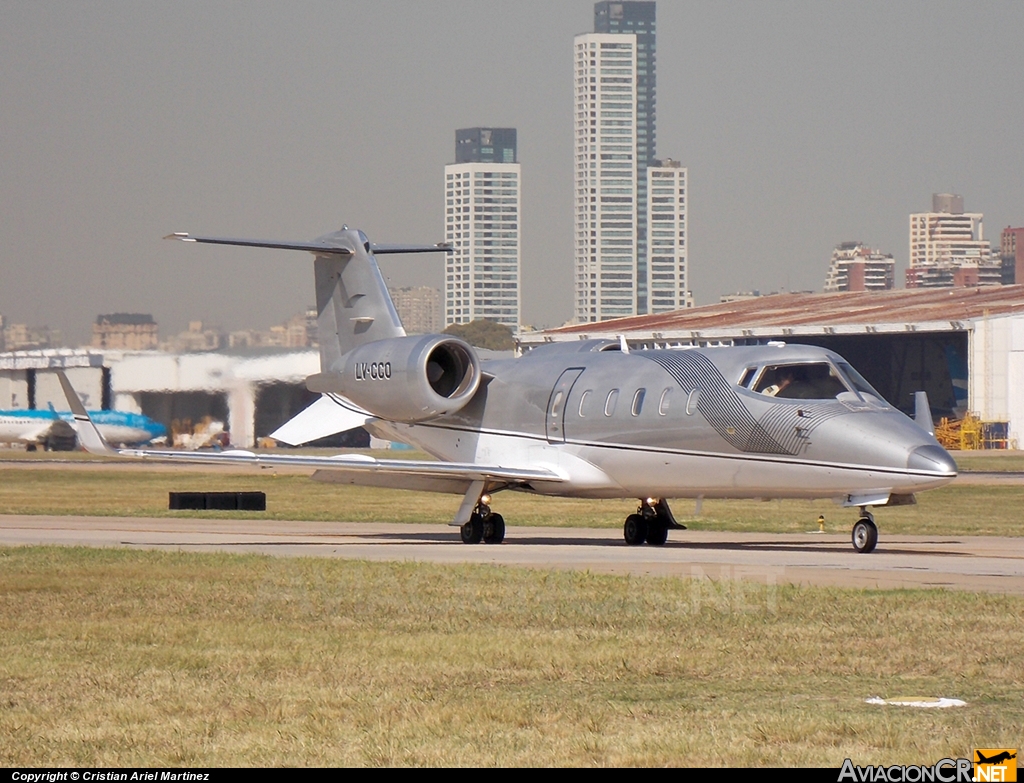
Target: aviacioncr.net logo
(995, 764)
(942, 771)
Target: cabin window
(583, 400)
(663, 402)
(814, 381)
(638, 402)
(691, 401)
(556, 403)
(609, 403)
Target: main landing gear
(650, 523)
(484, 525)
(865, 532)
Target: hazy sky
(803, 124)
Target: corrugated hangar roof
(855, 309)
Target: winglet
(87, 432)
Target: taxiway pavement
(982, 563)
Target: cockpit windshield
(812, 381)
(808, 381)
(857, 381)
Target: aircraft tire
(494, 529)
(635, 530)
(657, 533)
(473, 531)
(865, 535)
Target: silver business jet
(588, 419)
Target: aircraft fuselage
(687, 423)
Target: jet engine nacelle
(406, 379)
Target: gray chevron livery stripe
(790, 425)
(783, 429)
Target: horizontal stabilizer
(327, 416)
(319, 247)
(380, 250)
(312, 247)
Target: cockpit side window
(748, 376)
(815, 381)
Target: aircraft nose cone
(933, 459)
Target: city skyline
(123, 123)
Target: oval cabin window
(609, 403)
(638, 402)
(583, 401)
(663, 402)
(691, 402)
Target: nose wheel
(865, 533)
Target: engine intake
(406, 379)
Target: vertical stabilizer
(352, 302)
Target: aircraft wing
(329, 415)
(422, 474)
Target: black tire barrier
(217, 501)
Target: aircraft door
(554, 422)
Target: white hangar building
(252, 393)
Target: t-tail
(352, 302)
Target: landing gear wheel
(494, 529)
(657, 533)
(865, 535)
(635, 530)
(472, 531)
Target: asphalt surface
(980, 563)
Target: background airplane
(588, 419)
(58, 429)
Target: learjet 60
(586, 419)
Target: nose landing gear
(865, 532)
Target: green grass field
(112, 657)
(955, 510)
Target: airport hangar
(964, 346)
(253, 392)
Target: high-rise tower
(605, 176)
(613, 71)
(638, 18)
(482, 192)
(666, 217)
